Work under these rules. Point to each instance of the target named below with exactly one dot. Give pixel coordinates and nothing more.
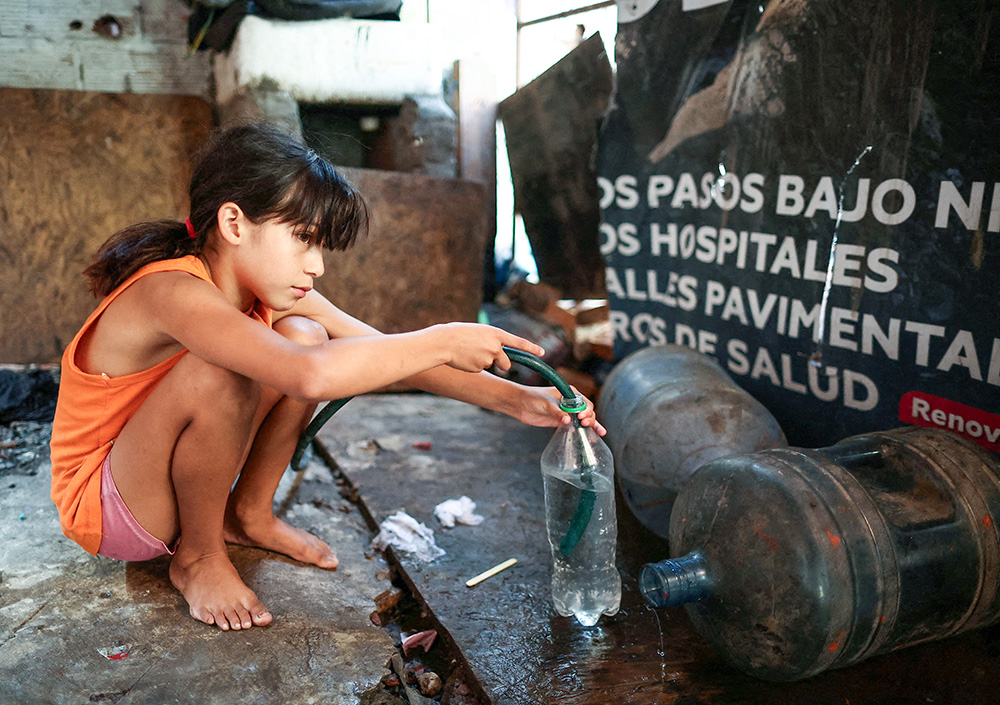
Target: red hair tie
(190, 228)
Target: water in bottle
(578, 474)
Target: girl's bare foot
(215, 593)
(273, 534)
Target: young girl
(205, 361)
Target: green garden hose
(532, 362)
(572, 403)
(526, 359)
(313, 428)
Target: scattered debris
(412, 672)
(583, 383)
(429, 683)
(385, 602)
(472, 582)
(348, 490)
(28, 393)
(394, 443)
(543, 301)
(425, 639)
(404, 533)
(546, 334)
(458, 693)
(422, 445)
(27, 404)
(388, 599)
(412, 694)
(576, 335)
(115, 653)
(457, 511)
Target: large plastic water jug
(668, 410)
(794, 561)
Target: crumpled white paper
(457, 511)
(404, 533)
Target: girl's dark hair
(268, 174)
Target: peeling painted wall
(115, 46)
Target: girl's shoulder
(124, 335)
(188, 263)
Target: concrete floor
(411, 452)
(81, 629)
(65, 615)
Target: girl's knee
(302, 330)
(216, 387)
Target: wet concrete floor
(78, 629)
(410, 452)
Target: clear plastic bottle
(578, 474)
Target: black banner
(809, 192)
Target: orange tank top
(91, 411)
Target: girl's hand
(540, 407)
(473, 347)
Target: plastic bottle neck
(675, 581)
(573, 405)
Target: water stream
(661, 653)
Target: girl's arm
(196, 315)
(537, 406)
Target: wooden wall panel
(422, 261)
(113, 46)
(74, 168)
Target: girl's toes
(234, 623)
(203, 616)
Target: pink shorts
(123, 537)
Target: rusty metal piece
(551, 128)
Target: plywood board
(422, 262)
(74, 168)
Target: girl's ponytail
(134, 247)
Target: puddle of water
(637, 657)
